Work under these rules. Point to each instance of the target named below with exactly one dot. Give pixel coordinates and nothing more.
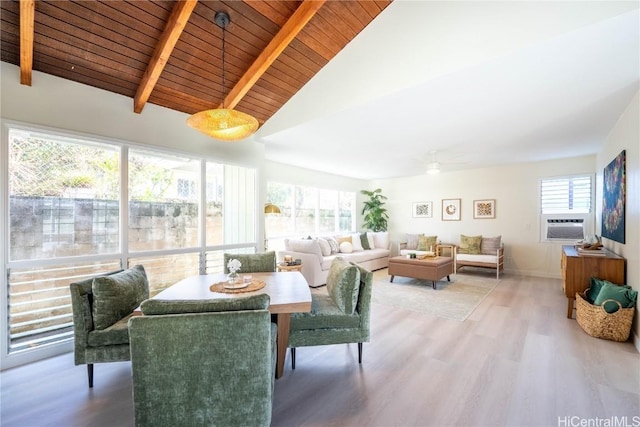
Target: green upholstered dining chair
(341, 315)
(208, 362)
(101, 309)
(253, 263)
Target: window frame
(569, 215)
(124, 256)
(318, 190)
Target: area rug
(454, 300)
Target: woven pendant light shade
(224, 124)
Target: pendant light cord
(224, 84)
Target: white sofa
(316, 256)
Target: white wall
(625, 135)
(516, 191)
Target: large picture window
(308, 211)
(65, 223)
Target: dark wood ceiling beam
(279, 43)
(176, 23)
(27, 16)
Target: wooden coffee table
(432, 269)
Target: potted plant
(375, 214)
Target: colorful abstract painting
(613, 203)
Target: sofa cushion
(412, 241)
(358, 256)
(118, 333)
(490, 245)
(325, 247)
(304, 245)
(470, 244)
(381, 239)
(343, 284)
(346, 247)
(324, 314)
(427, 243)
(156, 306)
(624, 295)
(117, 295)
(487, 259)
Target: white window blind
(566, 195)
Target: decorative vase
(233, 278)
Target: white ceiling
(480, 83)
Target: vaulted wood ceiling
(169, 53)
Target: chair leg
(90, 374)
(359, 352)
(293, 358)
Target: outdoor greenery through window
(308, 211)
(66, 223)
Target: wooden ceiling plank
(27, 17)
(176, 23)
(287, 33)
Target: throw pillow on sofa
(427, 243)
(325, 247)
(624, 295)
(346, 247)
(412, 241)
(470, 244)
(335, 246)
(343, 239)
(343, 284)
(372, 243)
(381, 239)
(364, 241)
(304, 246)
(355, 241)
(490, 245)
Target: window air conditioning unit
(556, 229)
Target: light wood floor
(516, 361)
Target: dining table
(288, 292)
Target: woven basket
(598, 323)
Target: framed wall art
(614, 198)
(423, 210)
(484, 209)
(451, 209)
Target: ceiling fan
(434, 166)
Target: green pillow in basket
(623, 294)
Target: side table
(285, 267)
(447, 247)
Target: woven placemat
(253, 286)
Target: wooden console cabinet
(577, 271)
